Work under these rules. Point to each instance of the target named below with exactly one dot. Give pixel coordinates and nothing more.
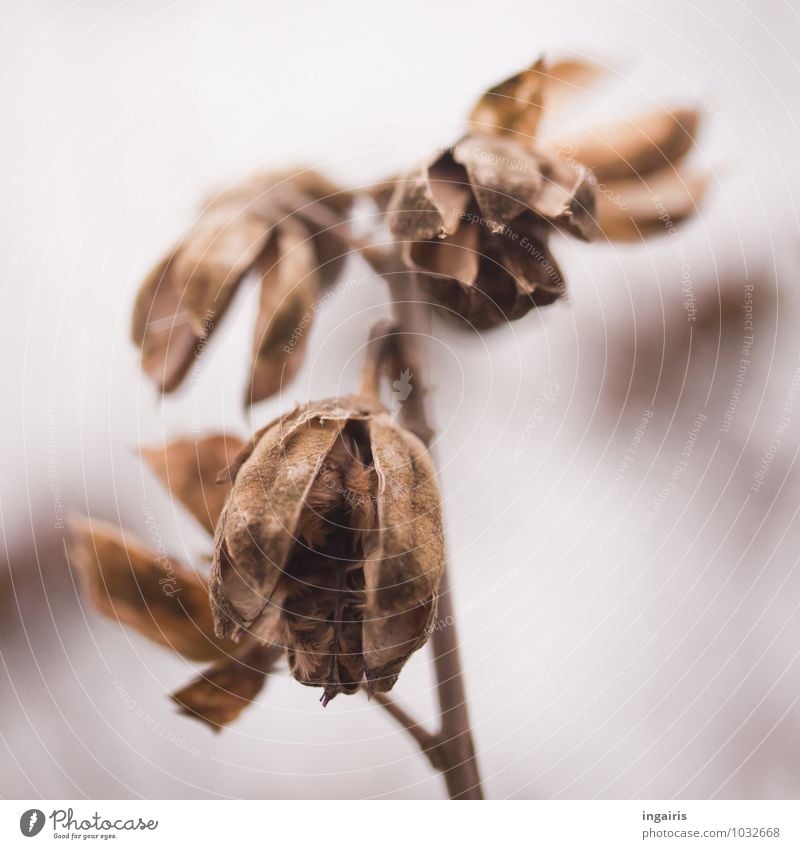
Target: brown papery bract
(331, 543)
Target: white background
(601, 659)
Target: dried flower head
(476, 219)
(287, 228)
(331, 545)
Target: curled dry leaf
(637, 169)
(148, 591)
(168, 603)
(517, 105)
(635, 208)
(220, 693)
(331, 544)
(566, 81)
(288, 228)
(188, 468)
(290, 283)
(637, 147)
(513, 106)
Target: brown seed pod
(331, 544)
(475, 221)
(286, 227)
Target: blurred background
(620, 479)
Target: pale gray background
(602, 659)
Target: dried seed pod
(475, 221)
(331, 544)
(286, 227)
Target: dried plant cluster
(328, 544)
(346, 503)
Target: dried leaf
(513, 106)
(183, 300)
(146, 590)
(289, 287)
(638, 147)
(532, 265)
(162, 329)
(570, 78)
(632, 209)
(220, 249)
(449, 189)
(412, 213)
(220, 693)
(188, 468)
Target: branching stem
(450, 750)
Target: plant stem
(461, 772)
(451, 750)
(381, 348)
(427, 742)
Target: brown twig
(461, 772)
(428, 743)
(381, 349)
(450, 750)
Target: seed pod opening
(331, 545)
